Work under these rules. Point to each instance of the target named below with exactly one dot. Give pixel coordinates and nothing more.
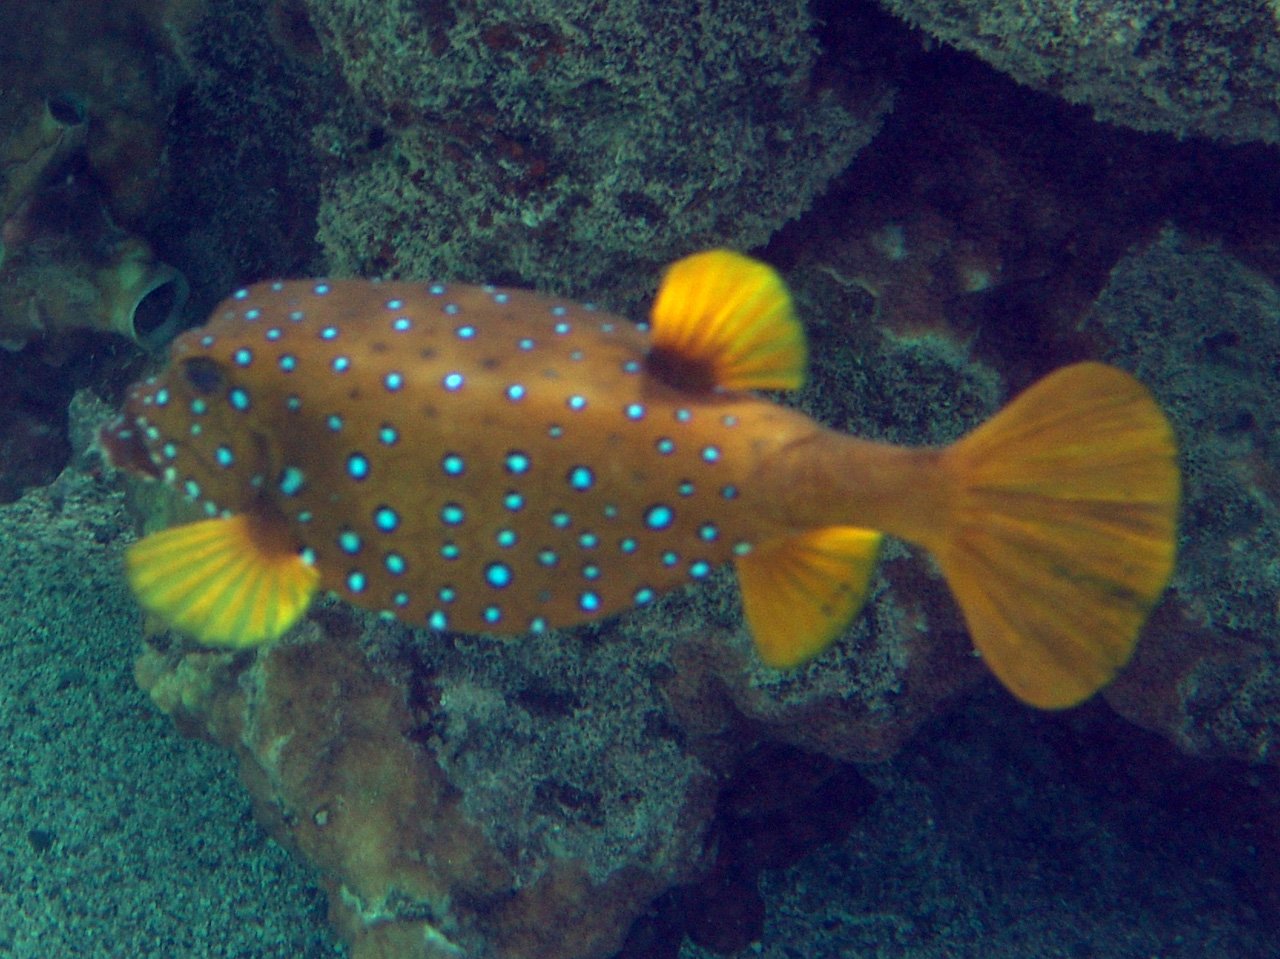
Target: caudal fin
(1063, 532)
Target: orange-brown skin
(564, 386)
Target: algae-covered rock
(1211, 68)
(458, 795)
(564, 144)
(1204, 332)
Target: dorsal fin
(729, 318)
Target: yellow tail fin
(1063, 532)
(226, 582)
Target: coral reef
(581, 145)
(643, 788)
(1211, 68)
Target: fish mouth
(122, 445)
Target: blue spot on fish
(357, 466)
(658, 517)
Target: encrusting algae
(483, 459)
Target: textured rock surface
(1204, 332)
(1007, 834)
(1210, 68)
(457, 794)
(116, 834)
(579, 144)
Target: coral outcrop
(1209, 68)
(463, 797)
(580, 144)
(1204, 331)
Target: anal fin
(800, 592)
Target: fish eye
(203, 375)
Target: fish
(480, 459)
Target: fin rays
(733, 315)
(799, 593)
(1064, 531)
(221, 581)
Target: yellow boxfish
(480, 459)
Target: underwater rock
(580, 144)
(458, 795)
(81, 170)
(1210, 69)
(75, 270)
(121, 63)
(1204, 332)
(34, 153)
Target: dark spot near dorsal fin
(684, 373)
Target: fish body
(468, 458)
(485, 459)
